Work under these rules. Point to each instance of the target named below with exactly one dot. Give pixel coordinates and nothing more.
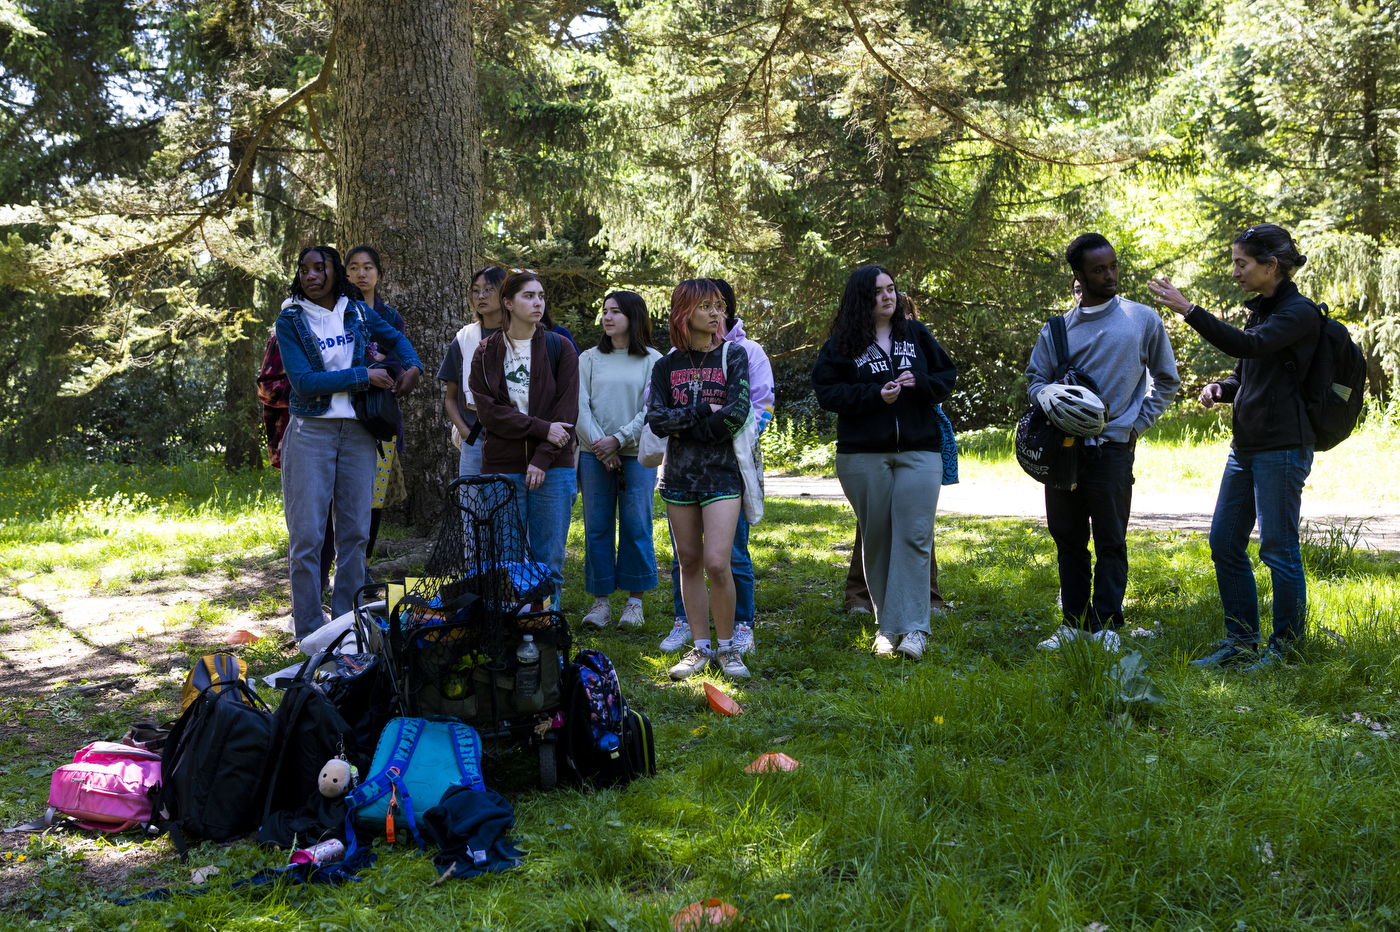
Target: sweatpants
(327, 463)
(895, 497)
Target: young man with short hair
(1123, 347)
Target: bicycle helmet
(1073, 409)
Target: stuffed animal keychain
(337, 777)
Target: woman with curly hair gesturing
(881, 374)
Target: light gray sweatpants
(895, 497)
(327, 462)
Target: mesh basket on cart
(455, 632)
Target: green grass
(988, 787)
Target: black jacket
(1274, 351)
(851, 388)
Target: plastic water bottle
(527, 677)
(608, 743)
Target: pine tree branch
(956, 115)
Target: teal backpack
(415, 760)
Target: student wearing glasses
(455, 370)
(699, 401)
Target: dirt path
(1155, 511)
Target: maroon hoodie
(514, 440)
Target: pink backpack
(106, 786)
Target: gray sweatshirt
(1124, 348)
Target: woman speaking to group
(882, 374)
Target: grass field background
(988, 787)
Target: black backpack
(1046, 453)
(1334, 389)
(213, 766)
(307, 731)
(593, 692)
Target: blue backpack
(415, 759)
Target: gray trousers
(326, 463)
(895, 497)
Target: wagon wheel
(549, 764)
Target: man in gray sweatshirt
(1123, 347)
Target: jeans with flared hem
(617, 525)
(328, 465)
(1267, 487)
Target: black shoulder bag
(378, 410)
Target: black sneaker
(1227, 654)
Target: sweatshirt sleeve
(761, 394)
(1161, 365)
(631, 433)
(936, 385)
(588, 429)
(1279, 330)
(1230, 385)
(1040, 372)
(725, 424)
(835, 392)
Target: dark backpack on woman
(1334, 389)
(1046, 453)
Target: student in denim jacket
(328, 457)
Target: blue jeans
(613, 560)
(740, 564)
(327, 466)
(544, 514)
(1267, 486)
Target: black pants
(1094, 600)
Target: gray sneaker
(696, 661)
(600, 615)
(632, 615)
(679, 636)
(744, 640)
(912, 645)
(731, 664)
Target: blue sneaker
(1227, 654)
(1270, 657)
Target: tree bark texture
(243, 443)
(408, 182)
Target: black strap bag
(1046, 453)
(213, 766)
(378, 410)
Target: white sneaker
(912, 644)
(1108, 639)
(679, 636)
(696, 660)
(884, 647)
(600, 615)
(857, 610)
(731, 665)
(744, 640)
(632, 615)
(1062, 636)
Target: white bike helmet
(1073, 409)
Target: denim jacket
(312, 385)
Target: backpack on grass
(1334, 388)
(605, 743)
(213, 671)
(108, 786)
(415, 763)
(214, 765)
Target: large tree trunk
(408, 182)
(242, 434)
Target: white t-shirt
(337, 347)
(518, 373)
